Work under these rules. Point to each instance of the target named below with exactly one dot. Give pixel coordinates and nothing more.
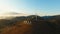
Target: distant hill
(10, 15)
(38, 25)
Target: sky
(39, 7)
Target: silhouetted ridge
(32, 24)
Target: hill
(32, 24)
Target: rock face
(30, 25)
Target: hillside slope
(30, 25)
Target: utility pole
(36, 14)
